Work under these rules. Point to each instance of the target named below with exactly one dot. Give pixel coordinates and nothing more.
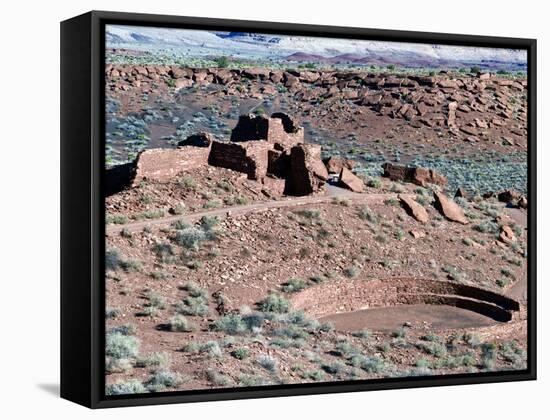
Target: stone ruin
(270, 150)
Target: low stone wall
(348, 296)
(163, 165)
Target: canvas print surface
(289, 209)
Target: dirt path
(332, 192)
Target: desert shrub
(212, 204)
(131, 386)
(503, 282)
(193, 306)
(187, 182)
(333, 368)
(346, 349)
(217, 378)
(150, 214)
(294, 285)
(352, 271)
(431, 337)
(253, 320)
(112, 313)
(163, 251)
(163, 379)
(190, 238)
(269, 363)
(116, 219)
(506, 273)
(341, 201)
(391, 202)
(453, 273)
(374, 183)
(292, 331)
(209, 222)
(180, 324)
(131, 266)
(230, 324)
(434, 348)
(112, 259)
(195, 290)
(156, 300)
(241, 353)
(488, 356)
(126, 233)
(513, 353)
(399, 234)
(400, 333)
(113, 365)
(194, 264)
(123, 329)
(252, 380)
(487, 227)
(473, 340)
(151, 311)
(211, 348)
(121, 346)
(467, 241)
(155, 360)
(319, 278)
(158, 275)
(381, 238)
(314, 375)
(362, 334)
(367, 214)
(191, 347)
(180, 225)
(370, 364)
(309, 213)
(275, 303)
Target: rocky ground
(238, 297)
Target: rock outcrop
(449, 208)
(416, 175)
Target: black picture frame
(83, 214)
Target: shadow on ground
(52, 389)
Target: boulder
(183, 83)
(507, 235)
(198, 140)
(416, 175)
(449, 208)
(509, 196)
(335, 164)
(522, 202)
(413, 208)
(350, 181)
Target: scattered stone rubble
(482, 107)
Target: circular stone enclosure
(347, 296)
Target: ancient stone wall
(348, 296)
(162, 165)
(247, 157)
